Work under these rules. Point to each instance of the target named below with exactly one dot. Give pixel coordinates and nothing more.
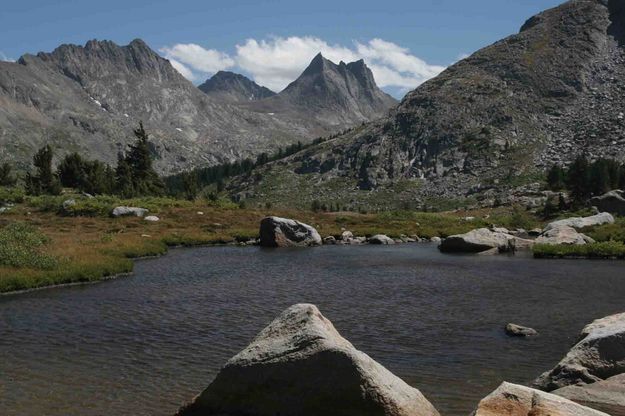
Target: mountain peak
(234, 87)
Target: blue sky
(405, 42)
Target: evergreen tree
(71, 170)
(578, 178)
(562, 205)
(599, 177)
(550, 208)
(6, 175)
(556, 178)
(190, 185)
(123, 177)
(621, 178)
(145, 180)
(45, 180)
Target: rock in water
(283, 232)
(300, 365)
(514, 400)
(475, 241)
(607, 396)
(598, 355)
(129, 211)
(520, 331)
(381, 239)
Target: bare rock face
(598, 355)
(283, 232)
(607, 396)
(475, 241)
(300, 365)
(514, 400)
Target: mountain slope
(89, 98)
(533, 99)
(334, 96)
(231, 87)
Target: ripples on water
(142, 345)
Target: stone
(129, 212)
(561, 235)
(301, 365)
(436, 240)
(381, 239)
(520, 331)
(515, 400)
(68, 203)
(152, 218)
(475, 241)
(347, 235)
(329, 240)
(535, 232)
(582, 222)
(284, 232)
(607, 396)
(612, 202)
(500, 230)
(598, 355)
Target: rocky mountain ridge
(89, 98)
(229, 86)
(487, 124)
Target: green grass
(600, 250)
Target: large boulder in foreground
(300, 365)
(598, 355)
(476, 241)
(283, 232)
(612, 202)
(607, 396)
(514, 400)
(582, 222)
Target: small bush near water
(20, 246)
(601, 250)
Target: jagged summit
(539, 97)
(234, 87)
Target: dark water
(144, 344)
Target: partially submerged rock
(283, 232)
(476, 241)
(329, 240)
(582, 222)
(612, 202)
(381, 239)
(520, 331)
(598, 355)
(515, 400)
(607, 396)
(300, 365)
(129, 212)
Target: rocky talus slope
(486, 124)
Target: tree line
(584, 179)
(133, 176)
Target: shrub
(605, 249)
(20, 246)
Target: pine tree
(71, 170)
(123, 177)
(599, 177)
(6, 175)
(556, 178)
(190, 185)
(579, 179)
(45, 180)
(144, 178)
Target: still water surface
(142, 345)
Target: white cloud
(182, 68)
(196, 57)
(5, 58)
(276, 61)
